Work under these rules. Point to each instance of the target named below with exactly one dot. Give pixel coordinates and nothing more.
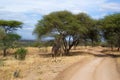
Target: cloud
(30, 11)
(1, 7)
(29, 20)
(42, 7)
(47, 6)
(25, 17)
(115, 7)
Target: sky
(30, 11)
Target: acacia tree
(93, 33)
(63, 23)
(9, 28)
(111, 29)
(90, 31)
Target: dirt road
(98, 68)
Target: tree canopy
(111, 29)
(69, 27)
(8, 35)
(10, 25)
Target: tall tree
(111, 29)
(90, 32)
(9, 28)
(93, 33)
(64, 24)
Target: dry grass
(36, 66)
(39, 65)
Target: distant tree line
(70, 29)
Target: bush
(20, 53)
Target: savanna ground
(39, 65)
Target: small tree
(9, 28)
(9, 42)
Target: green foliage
(111, 29)
(2, 33)
(69, 27)
(8, 37)
(10, 26)
(89, 30)
(60, 22)
(9, 41)
(76, 28)
(85, 21)
(20, 53)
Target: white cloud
(47, 6)
(28, 28)
(29, 11)
(28, 18)
(111, 7)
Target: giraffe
(56, 48)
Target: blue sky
(30, 11)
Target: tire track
(99, 68)
(107, 70)
(87, 71)
(95, 71)
(117, 66)
(68, 73)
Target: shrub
(20, 53)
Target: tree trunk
(118, 49)
(85, 43)
(4, 52)
(66, 51)
(111, 46)
(92, 42)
